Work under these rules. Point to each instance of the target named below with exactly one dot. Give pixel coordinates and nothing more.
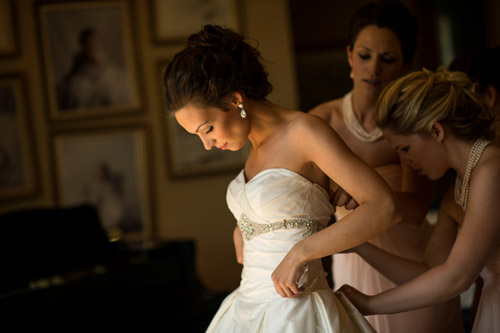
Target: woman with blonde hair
(435, 121)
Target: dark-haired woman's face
(225, 130)
(376, 59)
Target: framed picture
(18, 171)
(9, 37)
(107, 169)
(89, 57)
(187, 155)
(174, 20)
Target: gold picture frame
(107, 168)
(9, 34)
(18, 164)
(90, 60)
(174, 20)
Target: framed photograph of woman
(9, 37)
(107, 169)
(174, 20)
(90, 60)
(186, 155)
(18, 170)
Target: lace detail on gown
(250, 229)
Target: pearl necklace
(462, 185)
(353, 124)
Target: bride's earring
(351, 75)
(243, 113)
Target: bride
(216, 88)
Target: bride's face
(225, 130)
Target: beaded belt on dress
(251, 229)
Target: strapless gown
(275, 210)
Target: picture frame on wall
(174, 20)
(9, 36)
(18, 165)
(89, 58)
(108, 169)
(186, 154)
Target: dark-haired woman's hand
(341, 198)
(238, 244)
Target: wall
(191, 208)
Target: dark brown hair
(215, 63)
(390, 14)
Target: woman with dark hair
(382, 42)
(436, 121)
(216, 88)
(483, 67)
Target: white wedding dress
(275, 210)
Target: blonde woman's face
(421, 152)
(375, 59)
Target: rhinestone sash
(251, 229)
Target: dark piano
(60, 271)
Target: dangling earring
(243, 113)
(351, 75)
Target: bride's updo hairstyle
(413, 103)
(215, 63)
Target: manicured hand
(341, 198)
(287, 275)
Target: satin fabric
(255, 306)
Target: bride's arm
(318, 143)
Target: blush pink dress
(488, 311)
(409, 242)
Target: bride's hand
(238, 244)
(287, 275)
(357, 298)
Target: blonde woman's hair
(413, 103)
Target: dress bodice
(271, 197)
(276, 194)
